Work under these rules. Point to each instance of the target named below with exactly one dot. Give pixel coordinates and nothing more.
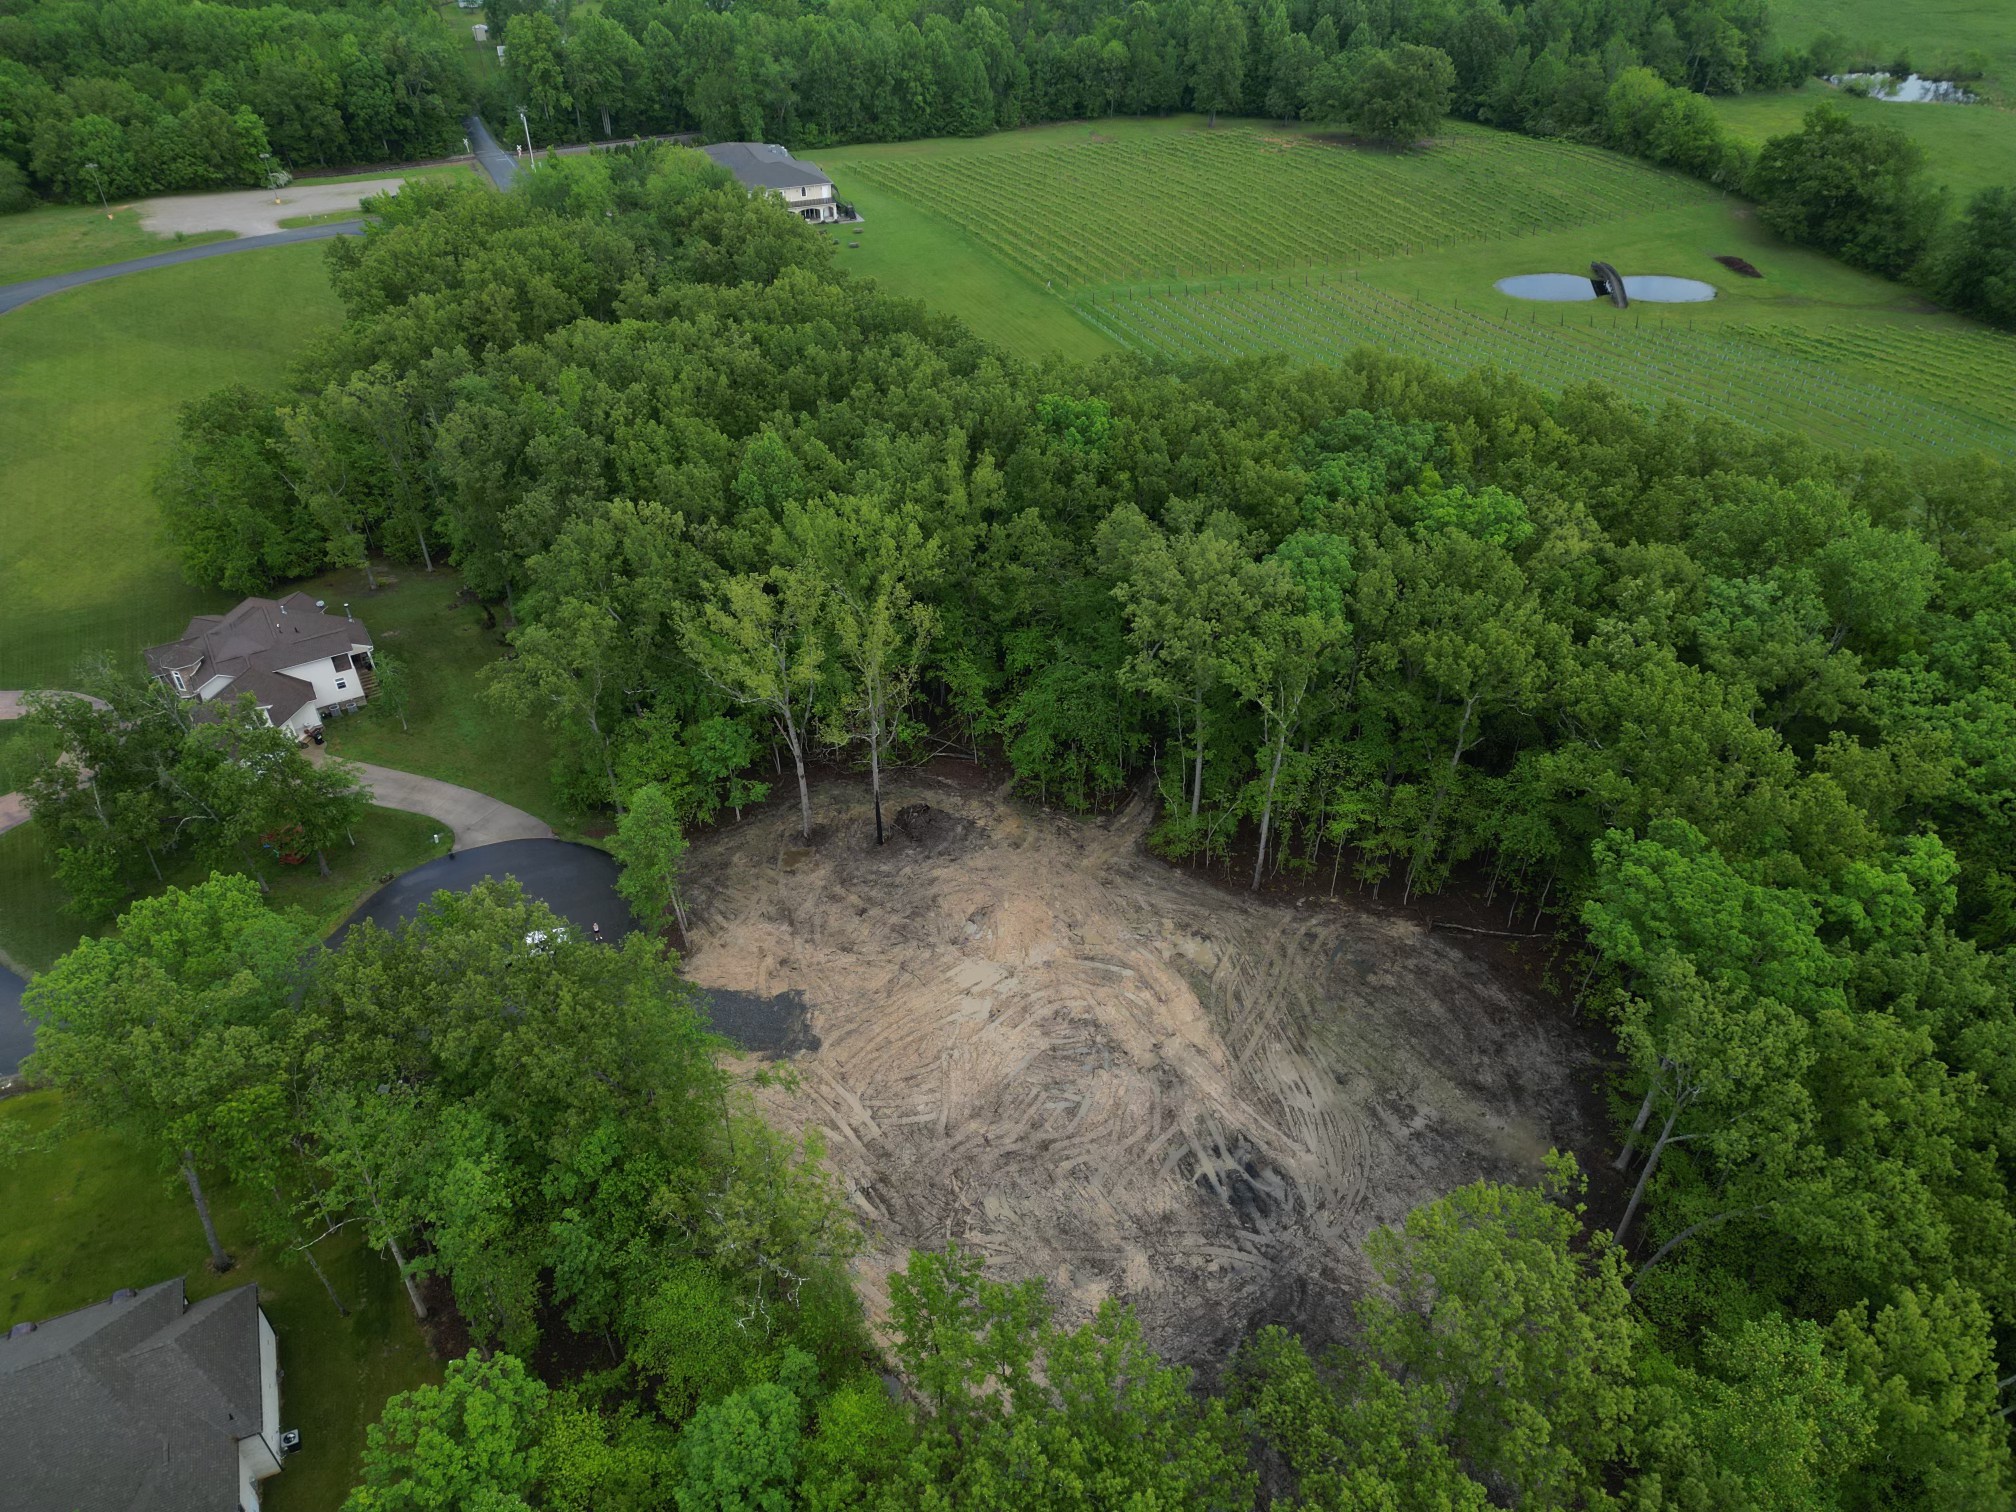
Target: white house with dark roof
(764, 167)
(141, 1401)
(300, 662)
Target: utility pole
(100, 182)
(529, 153)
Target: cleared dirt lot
(1036, 1038)
(255, 212)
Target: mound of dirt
(1037, 1039)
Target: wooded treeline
(778, 70)
(1735, 710)
(166, 95)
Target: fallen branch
(1501, 934)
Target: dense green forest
(165, 95)
(1736, 713)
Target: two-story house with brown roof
(300, 662)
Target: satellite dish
(321, 603)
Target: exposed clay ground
(1038, 1039)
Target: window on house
(180, 686)
(341, 684)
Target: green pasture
(1173, 238)
(88, 1213)
(1967, 147)
(1937, 38)
(65, 238)
(90, 381)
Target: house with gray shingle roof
(141, 1403)
(764, 167)
(300, 662)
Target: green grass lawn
(453, 732)
(1172, 238)
(1936, 37)
(34, 930)
(326, 218)
(87, 1213)
(1967, 147)
(64, 238)
(433, 170)
(90, 381)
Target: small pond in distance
(1565, 288)
(1909, 90)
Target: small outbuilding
(142, 1400)
(480, 32)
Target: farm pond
(1909, 90)
(1566, 288)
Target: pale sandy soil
(254, 212)
(1038, 1039)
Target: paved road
(497, 161)
(476, 818)
(16, 1038)
(13, 296)
(578, 882)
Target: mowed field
(1967, 147)
(1174, 238)
(90, 382)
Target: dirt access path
(1036, 1038)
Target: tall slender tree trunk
(412, 1291)
(607, 130)
(798, 764)
(1197, 779)
(875, 769)
(327, 1285)
(1429, 835)
(1267, 808)
(220, 1260)
(1682, 1095)
(1623, 1160)
(426, 556)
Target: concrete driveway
(255, 212)
(476, 818)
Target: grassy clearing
(453, 732)
(35, 932)
(90, 380)
(326, 218)
(1936, 37)
(89, 1213)
(1967, 147)
(1270, 240)
(432, 170)
(65, 238)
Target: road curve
(14, 295)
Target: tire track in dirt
(1039, 1040)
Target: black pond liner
(773, 1026)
